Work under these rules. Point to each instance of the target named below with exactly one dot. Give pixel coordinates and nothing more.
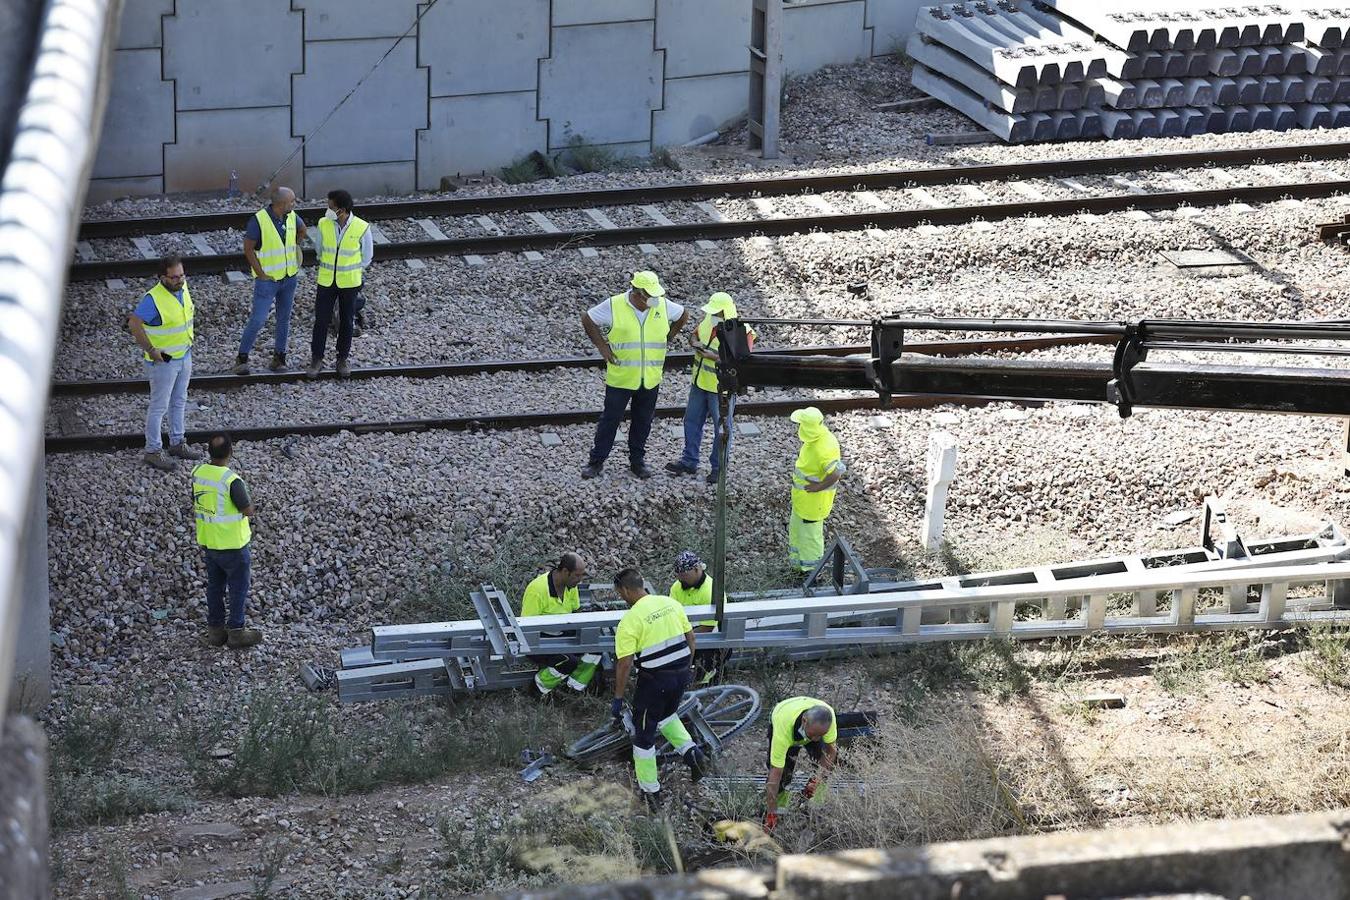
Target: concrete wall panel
(463, 59)
(328, 20)
(588, 12)
(363, 180)
(141, 25)
(139, 119)
(619, 57)
(379, 123)
(212, 142)
(102, 190)
(823, 34)
(470, 134)
(232, 55)
(703, 37)
(892, 22)
(696, 106)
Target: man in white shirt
(345, 248)
(632, 331)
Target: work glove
(770, 821)
(616, 708)
(810, 790)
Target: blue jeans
(265, 293)
(644, 409)
(168, 393)
(227, 569)
(701, 405)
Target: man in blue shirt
(161, 323)
(274, 261)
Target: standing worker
(656, 631)
(161, 324)
(270, 246)
(632, 331)
(554, 593)
(703, 387)
(797, 722)
(345, 248)
(693, 587)
(817, 471)
(222, 507)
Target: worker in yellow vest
(222, 507)
(345, 248)
(703, 387)
(656, 634)
(814, 480)
(554, 593)
(161, 325)
(797, 722)
(693, 587)
(632, 331)
(271, 246)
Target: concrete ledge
(23, 809)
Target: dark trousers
(643, 402)
(227, 570)
(656, 698)
(345, 300)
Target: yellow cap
(807, 415)
(720, 304)
(648, 283)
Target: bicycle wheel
(726, 709)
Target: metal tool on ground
(535, 762)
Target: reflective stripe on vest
(705, 371)
(220, 524)
(639, 346)
(341, 261)
(173, 334)
(663, 653)
(277, 255)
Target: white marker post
(941, 470)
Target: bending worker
(655, 632)
(693, 587)
(817, 472)
(797, 722)
(554, 593)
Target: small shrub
(82, 800)
(476, 857)
(1328, 656)
(1234, 656)
(586, 157)
(661, 156)
(523, 171)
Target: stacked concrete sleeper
(1074, 69)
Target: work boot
(157, 459)
(359, 325)
(592, 470)
(712, 478)
(698, 763)
(278, 362)
(641, 470)
(679, 468)
(240, 364)
(183, 451)
(216, 636)
(344, 369)
(315, 367)
(239, 638)
(652, 800)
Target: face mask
(331, 214)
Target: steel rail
(101, 387)
(750, 187)
(728, 230)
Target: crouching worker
(554, 593)
(797, 722)
(656, 633)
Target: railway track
(585, 220)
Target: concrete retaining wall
(201, 87)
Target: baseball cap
(807, 415)
(648, 283)
(720, 303)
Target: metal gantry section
(766, 76)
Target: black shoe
(592, 470)
(642, 471)
(712, 478)
(699, 764)
(359, 325)
(679, 468)
(652, 801)
(240, 364)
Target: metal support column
(766, 75)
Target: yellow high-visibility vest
(639, 347)
(816, 461)
(654, 630)
(278, 255)
(537, 601)
(695, 596)
(220, 524)
(341, 263)
(173, 334)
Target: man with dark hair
(222, 508)
(554, 593)
(161, 324)
(655, 632)
(345, 248)
(271, 247)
